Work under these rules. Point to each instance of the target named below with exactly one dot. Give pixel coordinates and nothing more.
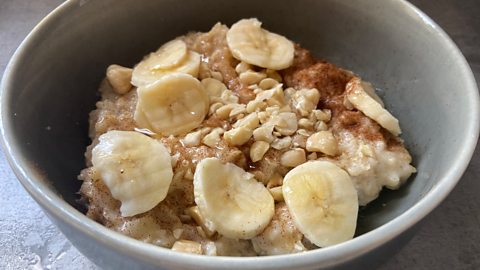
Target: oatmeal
(238, 142)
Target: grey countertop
(449, 238)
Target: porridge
(238, 142)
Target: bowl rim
(330, 256)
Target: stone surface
(449, 238)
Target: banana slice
(237, 205)
(141, 119)
(136, 169)
(171, 57)
(323, 202)
(368, 87)
(250, 43)
(173, 105)
(358, 95)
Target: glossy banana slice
(250, 43)
(171, 57)
(322, 201)
(136, 169)
(173, 105)
(237, 205)
(361, 97)
(141, 119)
(171, 54)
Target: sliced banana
(238, 205)
(362, 99)
(322, 201)
(368, 87)
(250, 43)
(170, 54)
(171, 57)
(214, 88)
(136, 169)
(173, 105)
(141, 119)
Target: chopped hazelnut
(285, 123)
(282, 143)
(258, 150)
(187, 246)
(277, 193)
(274, 75)
(192, 139)
(237, 136)
(267, 83)
(119, 78)
(323, 141)
(213, 137)
(264, 133)
(293, 158)
(250, 121)
(242, 67)
(250, 77)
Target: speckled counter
(449, 238)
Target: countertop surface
(449, 238)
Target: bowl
(50, 86)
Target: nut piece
(214, 89)
(267, 83)
(119, 78)
(237, 136)
(312, 156)
(250, 121)
(250, 77)
(187, 246)
(206, 224)
(272, 97)
(275, 181)
(285, 123)
(277, 193)
(192, 139)
(230, 110)
(228, 96)
(255, 106)
(258, 149)
(323, 141)
(264, 133)
(282, 143)
(177, 233)
(203, 71)
(305, 100)
(321, 126)
(299, 141)
(293, 158)
(213, 137)
(242, 67)
(304, 132)
(210, 248)
(322, 115)
(264, 117)
(237, 110)
(305, 123)
(274, 75)
(214, 107)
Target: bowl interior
(54, 83)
